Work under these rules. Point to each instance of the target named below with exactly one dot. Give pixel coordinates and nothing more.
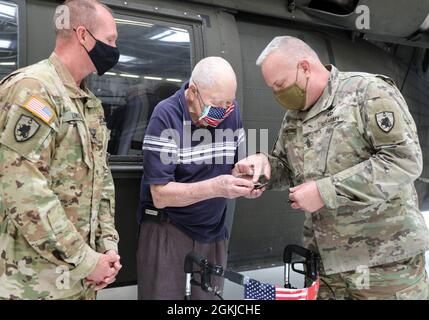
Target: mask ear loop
(199, 94)
(91, 36)
(296, 79)
(297, 69)
(306, 83)
(199, 122)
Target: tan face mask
(293, 97)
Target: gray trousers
(161, 255)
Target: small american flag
(255, 290)
(39, 108)
(216, 115)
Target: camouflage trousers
(86, 294)
(400, 280)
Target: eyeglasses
(228, 104)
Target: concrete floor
(231, 291)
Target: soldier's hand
(255, 165)
(117, 259)
(103, 269)
(306, 197)
(105, 283)
(230, 187)
(116, 265)
(102, 284)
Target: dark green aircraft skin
(239, 31)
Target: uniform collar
(72, 89)
(325, 101)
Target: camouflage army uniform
(56, 190)
(360, 144)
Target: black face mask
(103, 56)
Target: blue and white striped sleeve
(160, 151)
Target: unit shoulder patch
(40, 108)
(385, 120)
(25, 128)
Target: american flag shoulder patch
(40, 108)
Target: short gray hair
(292, 47)
(210, 70)
(82, 13)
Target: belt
(155, 215)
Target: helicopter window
(155, 61)
(8, 38)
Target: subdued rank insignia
(385, 120)
(25, 128)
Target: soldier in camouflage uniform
(349, 149)
(57, 233)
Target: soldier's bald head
(75, 13)
(287, 61)
(293, 49)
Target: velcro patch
(387, 123)
(26, 128)
(40, 108)
(385, 120)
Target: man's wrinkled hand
(255, 193)
(230, 187)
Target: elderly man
(57, 233)
(349, 149)
(190, 147)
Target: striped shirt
(175, 149)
